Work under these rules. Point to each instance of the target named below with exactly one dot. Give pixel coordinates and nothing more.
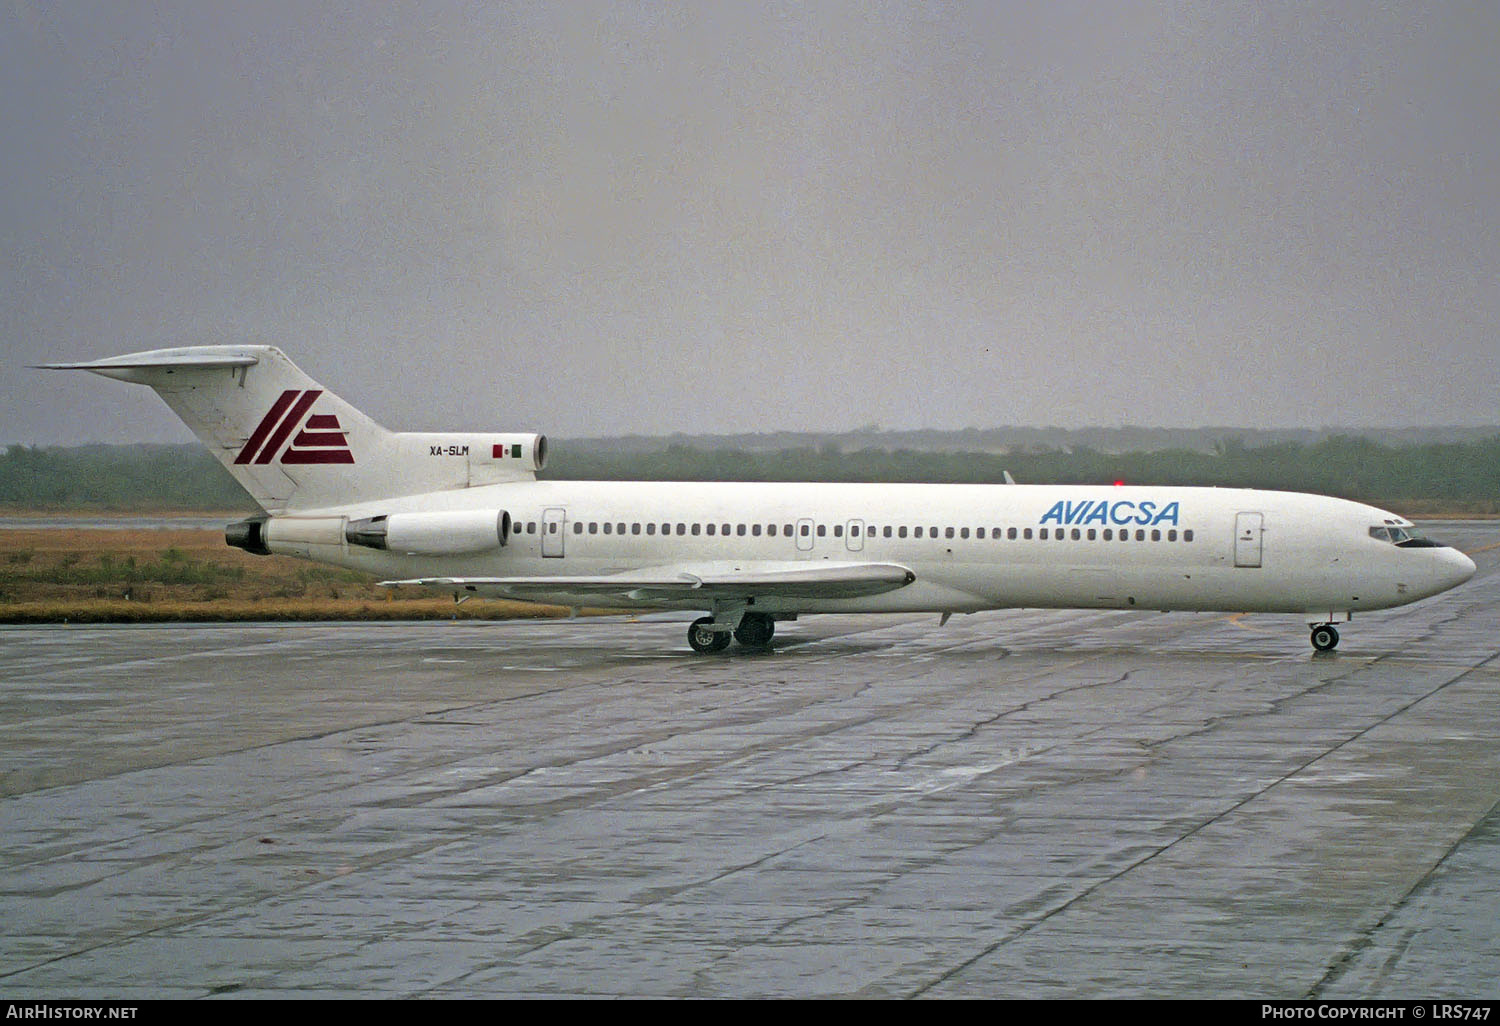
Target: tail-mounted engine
(449, 533)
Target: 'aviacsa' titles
(1092, 511)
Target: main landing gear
(755, 631)
(1324, 637)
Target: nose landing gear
(1324, 637)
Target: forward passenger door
(1247, 539)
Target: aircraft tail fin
(294, 445)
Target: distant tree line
(1463, 474)
(119, 478)
(1459, 475)
(1012, 439)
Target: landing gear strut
(1324, 637)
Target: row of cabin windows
(1155, 534)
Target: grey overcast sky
(592, 219)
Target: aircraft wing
(687, 580)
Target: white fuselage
(970, 547)
(465, 512)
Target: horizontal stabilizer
(195, 357)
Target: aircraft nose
(1442, 568)
(1457, 568)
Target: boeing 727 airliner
(465, 513)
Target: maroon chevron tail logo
(319, 440)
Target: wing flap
(711, 581)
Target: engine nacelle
(449, 533)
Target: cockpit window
(1405, 537)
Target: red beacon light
(1119, 484)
